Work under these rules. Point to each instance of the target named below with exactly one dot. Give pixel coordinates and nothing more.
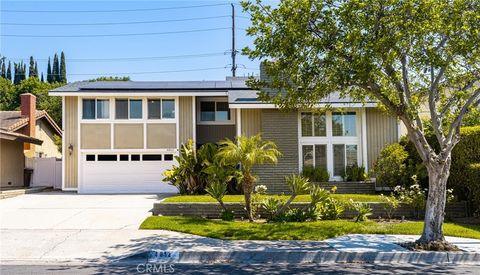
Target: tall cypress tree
(63, 69)
(3, 71)
(9, 71)
(16, 79)
(36, 69)
(49, 71)
(55, 69)
(41, 78)
(31, 68)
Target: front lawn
(320, 230)
(299, 198)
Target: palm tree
(248, 152)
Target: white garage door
(125, 173)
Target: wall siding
(12, 162)
(128, 136)
(95, 136)
(281, 128)
(185, 118)
(161, 135)
(70, 137)
(251, 122)
(382, 129)
(215, 133)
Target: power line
(136, 73)
(112, 35)
(113, 23)
(124, 59)
(118, 10)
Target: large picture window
(313, 124)
(215, 111)
(344, 124)
(315, 155)
(95, 109)
(343, 156)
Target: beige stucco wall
(185, 118)
(12, 163)
(70, 137)
(251, 122)
(45, 132)
(128, 136)
(382, 129)
(95, 136)
(161, 136)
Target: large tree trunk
(435, 208)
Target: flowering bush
(390, 204)
(261, 189)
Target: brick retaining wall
(212, 210)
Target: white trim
(63, 143)
(320, 105)
(70, 189)
(239, 122)
(79, 155)
(216, 122)
(139, 94)
(194, 120)
(177, 120)
(363, 114)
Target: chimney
(28, 109)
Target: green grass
(320, 230)
(300, 198)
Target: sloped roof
(19, 137)
(11, 121)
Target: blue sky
(214, 43)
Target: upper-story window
(344, 124)
(128, 108)
(313, 124)
(214, 111)
(95, 108)
(161, 108)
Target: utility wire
(124, 59)
(135, 73)
(113, 23)
(118, 10)
(113, 35)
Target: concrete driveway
(68, 227)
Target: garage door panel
(125, 177)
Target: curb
(293, 257)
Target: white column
(239, 122)
(194, 119)
(364, 139)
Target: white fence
(46, 172)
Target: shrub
(363, 210)
(315, 174)
(227, 215)
(331, 209)
(355, 173)
(217, 190)
(298, 185)
(271, 205)
(390, 168)
(390, 204)
(414, 196)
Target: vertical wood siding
(70, 137)
(382, 129)
(251, 122)
(185, 118)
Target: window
(313, 124)
(95, 109)
(107, 157)
(315, 155)
(343, 156)
(344, 124)
(135, 108)
(153, 107)
(123, 157)
(215, 111)
(103, 108)
(121, 108)
(168, 157)
(90, 157)
(168, 108)
(135, 157)
(128, 108)
(151, 157)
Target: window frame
(95, 99)
(231, 121)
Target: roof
(249, 99)
(11, 121)
(152, 86)
(19, 137)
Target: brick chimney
(28, 109)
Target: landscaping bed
(203, 208)
(318, 230)
(299, 198)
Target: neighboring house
(25, 133)
(120, 136)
